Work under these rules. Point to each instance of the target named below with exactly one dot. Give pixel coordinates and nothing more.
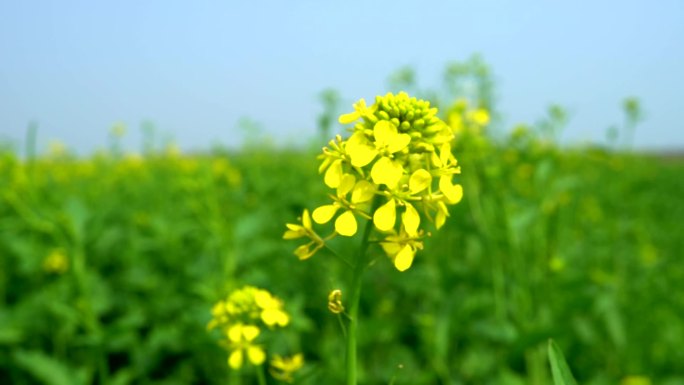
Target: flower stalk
(395, 172)
(356, 285)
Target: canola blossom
(240, 318)
(283, 368)
(396, 169)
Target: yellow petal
(386, 135)
(306, 251)
(306, 219)
(346, 185)
(235, 333)
(324, 213)
(256, 355)
(282, 318)
(453, 193)
(345, 224)
(419, 181)
(404, 258)
(235, 359)
(383, 131)
(363, 191)
(411, 220)
(333, 176)
(442, 213)
(391, 248)
(386, 171)
(349, 118)
(434, 158)
(250, 332)
(360, 150)
(293, 232)
(385, 216)
(324, 164)
(445, 155)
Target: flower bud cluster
(396, 169)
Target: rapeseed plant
(396, 165)
(395, 171)
(241, 317)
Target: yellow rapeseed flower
(282, 368)
(241, 339)
(397, 160)
(272, 312)
(295, 231)
(239, 318)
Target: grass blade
(559, 367)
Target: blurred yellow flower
(56, 262)
(241, 339)
(272, 312)
(282, 368)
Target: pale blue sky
(196, 68)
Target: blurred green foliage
(109, 264)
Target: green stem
(355, 296)
(261, 377)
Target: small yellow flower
(295, 231)
(361, 193)
(241, 339)
(271, 309)
(401, 248)
(385, 216)
(282, 368)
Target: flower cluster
(395, 169)
(241, 317)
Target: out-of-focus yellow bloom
(56, 262)
(272, 312)
(335, 301)
(241, 339)
(56, 149)
(248, 305)
(239, 318)
(282, 368)
(118, 130)
(465, 120)
(479, 116)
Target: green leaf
(559, 368)
(46, 369)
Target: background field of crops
(581, 244)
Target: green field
(110, 264)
